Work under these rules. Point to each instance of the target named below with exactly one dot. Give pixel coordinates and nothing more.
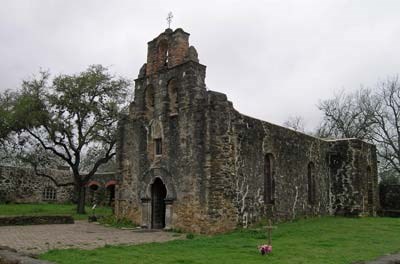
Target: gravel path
(389, 259)
(41, 238)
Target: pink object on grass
(265, 249)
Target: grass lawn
(320, 240)
(49, 209)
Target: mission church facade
(188, 160)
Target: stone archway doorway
(110, 194)
(158, 195)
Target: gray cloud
(272, 58)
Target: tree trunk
(80, 209)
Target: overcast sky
(274, 59)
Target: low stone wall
(390, 196)
(22, 185)
(11, 256)
(35, 220)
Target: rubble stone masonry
(219, 168)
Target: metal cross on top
(269, 230)
(169, 19)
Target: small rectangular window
(158, 145)
(49, 194)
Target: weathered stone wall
(354, 177)
(22, 185)
(220, 168)
(167, 50)
(344, 172)
(140, 166)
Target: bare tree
(345, 116)
(296, 123)
(384, 107)
(368, 114)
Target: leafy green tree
(63, 119)
(7, 100)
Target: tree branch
(41, 174)
(101, 161)
(49, 148)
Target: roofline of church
(300, 132)
(169, 31)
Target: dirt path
(389, 259)
(84, 235)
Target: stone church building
(188, 160)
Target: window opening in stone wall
(173, 97)
(94, 187)
(311, 183)
(49, 194)
(149, 99)
(158, 146)
(163, 53)
(111, 194)
(166, 59)
(269, 179)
